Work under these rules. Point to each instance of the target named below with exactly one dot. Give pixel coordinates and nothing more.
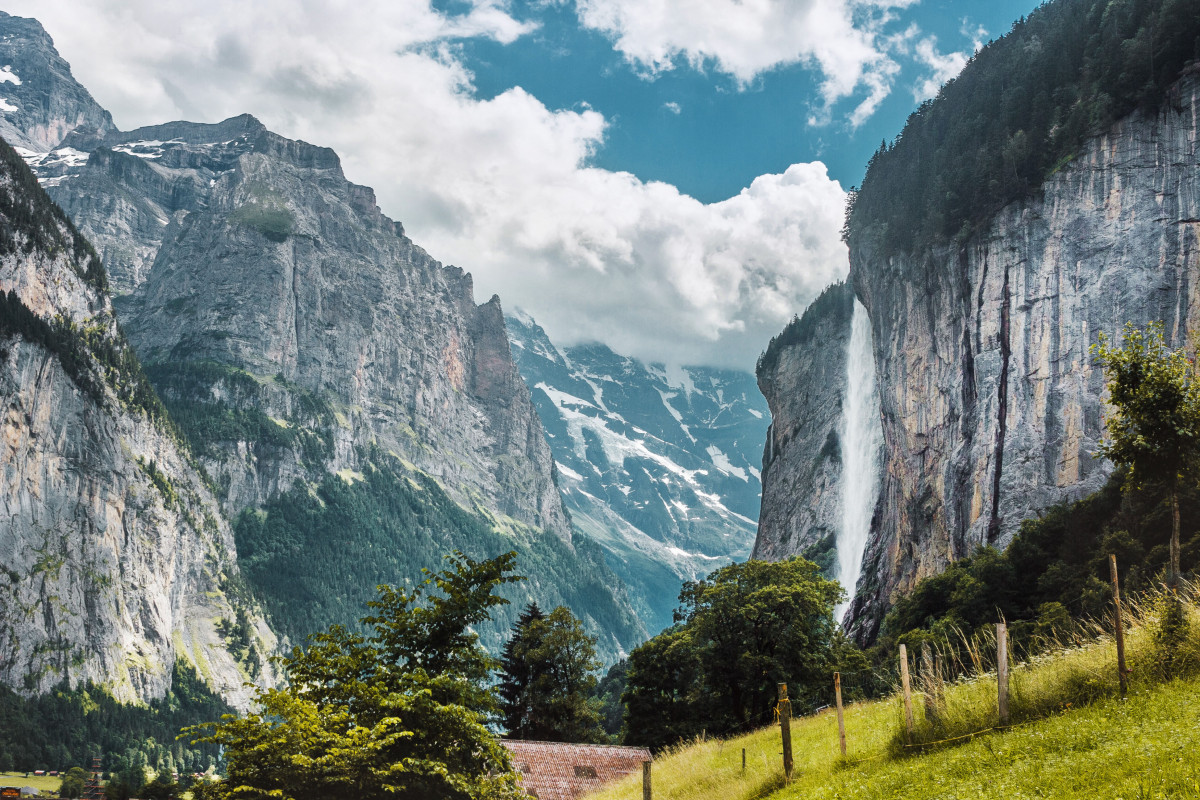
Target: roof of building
(557, 771)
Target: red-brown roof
(556, 771)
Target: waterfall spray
(862, 440)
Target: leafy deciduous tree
(744, 628)
(399, 714)
(1155, 427)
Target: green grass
(44, 783)
(1072, 737)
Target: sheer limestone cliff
(803, 376)
(266, 283)
(117, 561)
(992, 405)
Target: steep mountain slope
(117, 561)
(296, 334)
(658, 468)
(41, 101)
(982, 317)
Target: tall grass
(1076, 670)
(1070, 735)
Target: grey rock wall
(803, 377)
(992, 405)
(110, 574)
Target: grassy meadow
(1071, 736)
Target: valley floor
(1145, 747)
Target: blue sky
(698, 129)
(665, 176)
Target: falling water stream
(862, 440)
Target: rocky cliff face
(803, 376)
(991, 402)
(329, 376)
(40, 100)
(117, 561)
(247, 260)
(657, 467)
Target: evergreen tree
(547, 679)
(517, 676)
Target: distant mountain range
(660, 467)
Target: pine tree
(547, 681)
(516, 676)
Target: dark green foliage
(663, 703)
(823, 553)
(72, 783)
(397, 713)
(161, 788)
(273, 223)
(1055, 568)
(67, 728)
(517, 674)
(30, 221)
(546, 683)
(1020, 109)
(608, 693)
(91, 357)
(741, 631)
(208, 418)
(836, 302)
(315, 555)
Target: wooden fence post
(1002, 671)
(1119, 618)
(837, 696)
(928, 683)
(743, 759)
(646, 781)
(906, 685)
(785, 729)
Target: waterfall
(862, 440)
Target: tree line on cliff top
(1021, 108)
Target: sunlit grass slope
(1077, 740)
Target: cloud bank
(502, 187)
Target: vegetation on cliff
(68, 727)
(1020, 109)
(391, 522)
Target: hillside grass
(45, 784)
(1071, 737)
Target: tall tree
(398, 714)
(517, 676)
(1155, 425)
(549, 681)
(743, 629)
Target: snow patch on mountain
(660, 465)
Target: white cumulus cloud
(745, 38)
(501, 187)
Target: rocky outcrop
(116, 558)
(991, 401)
(325, 318)
(41, 102)
(804, 378)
